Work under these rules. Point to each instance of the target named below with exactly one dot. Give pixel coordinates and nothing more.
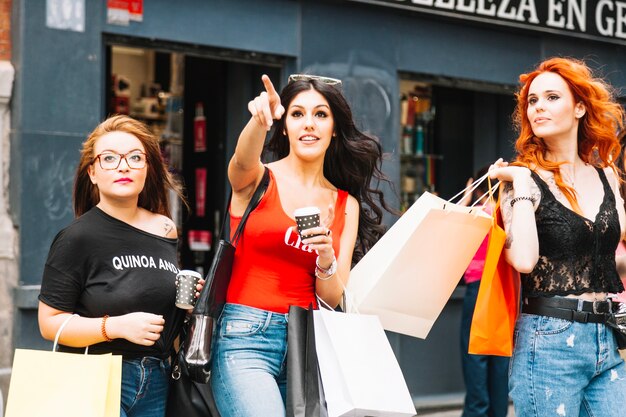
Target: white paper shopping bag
(407, 277)
(360, 373)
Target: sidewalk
(453, 413)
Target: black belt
(572, 309)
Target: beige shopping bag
(407, 277)
(359, 371)
(57, 384)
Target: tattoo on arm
(507, 210)
(507, 213)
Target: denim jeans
(144, 387)
(249, 374)
(485, 376)
(565, 368)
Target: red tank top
(272, 268)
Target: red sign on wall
(135, 10)
(120, 12)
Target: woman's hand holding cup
(317, 237)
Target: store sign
(598, 19)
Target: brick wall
(5, 30)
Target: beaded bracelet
(525, 197)
(103, 328)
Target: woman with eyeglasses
(115, 265)
(564, 217)
(321, 160)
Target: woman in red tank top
(321, 160)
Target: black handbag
(305, 393)
(186, 397)
(190, 391)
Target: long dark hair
(154, 196)
(352, 161)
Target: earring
(284, 132)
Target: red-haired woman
(564, 217)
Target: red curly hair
(599, 130)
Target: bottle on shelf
(407, 140)
(419, 140)
(199, 129)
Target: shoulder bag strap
(254, 202)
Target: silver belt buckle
(594, 306)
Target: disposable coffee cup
(186, 282)
(307, 218)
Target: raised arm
(518, 201)
(245, 169)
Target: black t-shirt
(100, 265)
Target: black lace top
(576, 255)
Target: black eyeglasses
(308, 77)
(110, 160)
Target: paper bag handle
(344, 301)
(56, 337)
(490, 193)
(470, 188)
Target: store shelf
(419, 160)
(148, 118)
(413, 157)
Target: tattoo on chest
(554, 188)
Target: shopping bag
(497, 304)
(305, 395)
(56, 384)
(360, 373)
(407, 277)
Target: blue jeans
(565, 368)
(144, 387)
(249, 368)
(485, 376)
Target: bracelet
(103, 328)
(525, 197)
(326, 278)
(328, 272)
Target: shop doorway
(448, 130)
(196, 104)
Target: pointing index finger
(269, 87)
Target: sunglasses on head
(307, 77)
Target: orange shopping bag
(497, 305)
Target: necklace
(571, 179)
